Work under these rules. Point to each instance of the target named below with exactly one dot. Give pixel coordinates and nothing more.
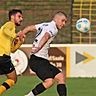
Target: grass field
(76, 87)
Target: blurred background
(71, 50)
(37, 11)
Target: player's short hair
(60, 13)
(13, 12)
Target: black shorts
(6, 65)
(42, 67)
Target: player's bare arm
(43, 41)
(30, 28)
(27, 29)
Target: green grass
(82, 86)
(76, 87)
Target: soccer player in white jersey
(39, 58)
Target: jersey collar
(53, 22)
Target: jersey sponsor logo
(45, 24)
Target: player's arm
(27, 29)
(43, 41)
(30, 28)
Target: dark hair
(13, 12)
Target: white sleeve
(38, 25)
(50, 30)
(47, 28)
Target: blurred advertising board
(20, 59)
(75, 60)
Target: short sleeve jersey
(7, 34)
(42, 28)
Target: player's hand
(21, 35)
(17, 42)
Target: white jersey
(42, 28)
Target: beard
(17, 24)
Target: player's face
(18, 19)
(61, 22)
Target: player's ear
(12, 17)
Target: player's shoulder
(51, 28)
(44, 24)
(9, 23)
(48, 25)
